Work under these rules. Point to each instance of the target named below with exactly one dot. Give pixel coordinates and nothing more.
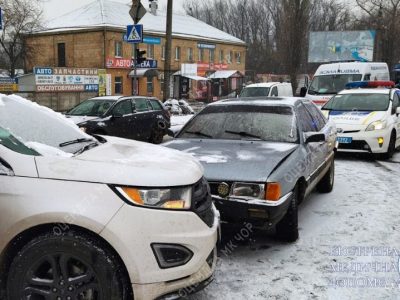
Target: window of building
(238, 57)
(150, 86)
(200, 54)
(61, 55)
(190, 54)
(211, 55)
(118, 85)
(221, 56)
(163, 53)
(177, 53)
(118, 49)
(150, 51)
(230, 57)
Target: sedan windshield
(238, 122)
(331, 84)
(255, 92)
(92, 108)
(358, 102)
(40, 128)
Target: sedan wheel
(326, 183)
(287, 228)
(67, 267)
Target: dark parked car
(139, 118)
(262, 157)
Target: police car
(367, 118)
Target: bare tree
(20, 17)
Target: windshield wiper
(77, 141)
(200, 133)
(86, 147)
(244, 134)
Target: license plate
(344, 140)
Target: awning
(144, 73)
(193, 77)
(225, 74)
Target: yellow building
(93, 37)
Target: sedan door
(315, 150)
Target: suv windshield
(92, 108)
(331, 84)
(254, 92)
(358, 102)
(40, 128)
(236, 122)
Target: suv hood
(225, 160)
(124, 162)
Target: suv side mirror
(303, 91)
(312, 137)
(117, 115)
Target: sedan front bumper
(258, 212)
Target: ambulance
(329, 79)
(367, 119)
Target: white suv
(367, 118)
(86, 217)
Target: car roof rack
(370, 84)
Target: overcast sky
(56, 8)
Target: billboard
(329, 46)
(49, 79)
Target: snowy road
(349, 244)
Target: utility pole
(168, 46)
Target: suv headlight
(377, 125)
(174, 198)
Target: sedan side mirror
(303, 91)
(312, 137)
(171, 133)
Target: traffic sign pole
(136, 12)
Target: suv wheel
(287, 228)
(157, 136)
(67, 266)
(326, 183)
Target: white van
(268, 89)
(329, 79)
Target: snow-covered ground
(177, 122)
(349, 244)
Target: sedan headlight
(248, 190)
(377, 125)
(174, 198)
(270, 191)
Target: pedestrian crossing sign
(134, 33)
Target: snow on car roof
(102, 13)
(106, 98)
(281, 101)
(265, 84)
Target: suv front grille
(202, 203)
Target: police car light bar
(370, 84)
